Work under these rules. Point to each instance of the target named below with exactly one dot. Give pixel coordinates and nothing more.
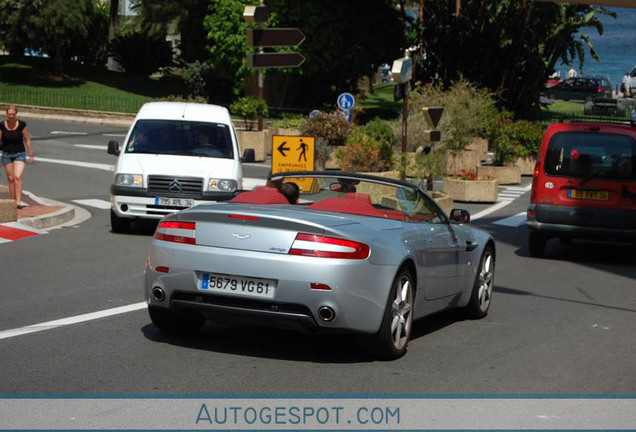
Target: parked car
(581, 88)
(164, 166)
(584, 185)
(358, 253)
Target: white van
(175, 155)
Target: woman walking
(15, 143)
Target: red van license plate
(588, 195)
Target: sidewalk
(41, 213)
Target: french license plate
(174, 202)
(238, 285)
(588, 195)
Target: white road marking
(67, 133)
(97, 203)
(92, 147)
(114, 135)
(49, 325)
(513, 221)
(77, 163)
(505, 198)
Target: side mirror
(248, 155)
(459, 216)
(113, 148)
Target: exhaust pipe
(326, 314)
(158, 294)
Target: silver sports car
(319, 251)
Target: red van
(584, 185)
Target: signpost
(262, 38)
(294, 153)
(346, 102)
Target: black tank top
(12, 141)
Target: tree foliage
(503, 45)
(140, 54)
(52, 26)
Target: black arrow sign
(282, 149)
(274, 37)
(273, 60)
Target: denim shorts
(12, 157)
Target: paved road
(72, 319)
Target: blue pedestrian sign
(346, 101)
(314, 113)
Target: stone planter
(471, 190)
(255, 140)
(479, 145)
(507, 174)
(443, 200)
(526, 165)
(466, 159)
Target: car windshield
(356, 194)
(591, 155)
(181, 138)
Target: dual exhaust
(325, 313)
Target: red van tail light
(176, 232)
(599, 90)
(328, 247)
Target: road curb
(73, 115)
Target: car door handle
(471, 246)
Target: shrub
(140, 54)
(369, 148)
(331, 127)
(510, 139)
(322, 153)
(196, 76)
(468, 111)
(249, 107)
(289, 121)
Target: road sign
(314, 113)
(256, 14)
(274, 60)
(432, 115)
(431, 135)
(294, 153)
(274, 37)
(402, 70)
(346, 101)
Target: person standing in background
(15, 143)
(572, 72)
(626, 85)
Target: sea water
(616, 47)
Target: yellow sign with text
(294, 153)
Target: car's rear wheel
(174, 322)
(119, 224)
(395, 332)
(482, 288)
(536, 244)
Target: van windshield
(584, 154)
(186, 138)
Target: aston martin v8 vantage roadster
(342, 252)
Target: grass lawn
(27, 81)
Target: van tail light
(599, 90)
(176, 232)
(328, 247)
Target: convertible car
(351, 253)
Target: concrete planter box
(255, 140)
(526, 165)
(507, 174)
(480, 146)
(466, 159)
(443, 200)
(471, 190)
(8, 211)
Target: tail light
(599, 90)
(328, 247)
(176, 232)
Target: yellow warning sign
(293, 153)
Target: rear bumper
(585, 223)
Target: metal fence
(118, 104)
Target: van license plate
(237, 285)
(588, 195)
(174, 202)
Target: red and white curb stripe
(12, 231)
